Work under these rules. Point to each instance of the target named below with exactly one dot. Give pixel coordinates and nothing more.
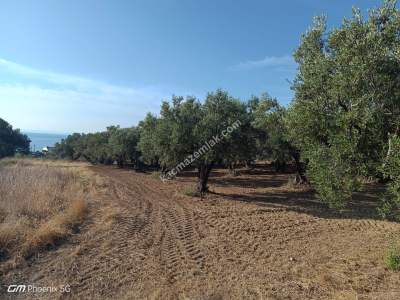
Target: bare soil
(251, 238)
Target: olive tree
(189, 132)
(273, 141)
(225, 121)
(347, 100)
(147, 145)
(122, 145)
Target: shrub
(190, 191)
(392, 258)
(156, 175)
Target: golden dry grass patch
(56, 229)
(41, 203)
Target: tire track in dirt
(180, 250)
(172, 258)
(174, 237)
(127, 241)
(159, 243)
(191, 239)
(182, 228)
(256, 240)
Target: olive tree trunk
(202, 177)
(300, 171)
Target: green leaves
(269, 120)
(12, 140)
(147, 141)
(332, 173)
(185, 125)
(122, 144)
(347, 100)
(390, 205)
(115, 144)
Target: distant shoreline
(39, 140)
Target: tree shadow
(193, 173)
(260, 176)
(274, 181)
(363, 206)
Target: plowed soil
(251, 238)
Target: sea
(41, 140)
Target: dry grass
(156, 175)
(41, 203)
(190, 191)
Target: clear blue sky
(82, 65)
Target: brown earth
(252, 238)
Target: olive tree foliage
(12, 140)
(245, 151)
(347, 100)
(272, 139)
(176, 132)
(221, 111)
(69, 148)
(114, 144)
(122, 145)
(92, 147)
(390, 207)
(179, 136)
(147, 142)
(95, 147)
(167, 139)
(268, 120)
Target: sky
(79, 66)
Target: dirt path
(145, 240)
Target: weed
(190, 191)
(392, 258)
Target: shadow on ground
(363, 206)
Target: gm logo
(13, 288)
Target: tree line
(342, 127)
(182, 128)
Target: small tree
(12, 140)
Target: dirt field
(252, 238)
